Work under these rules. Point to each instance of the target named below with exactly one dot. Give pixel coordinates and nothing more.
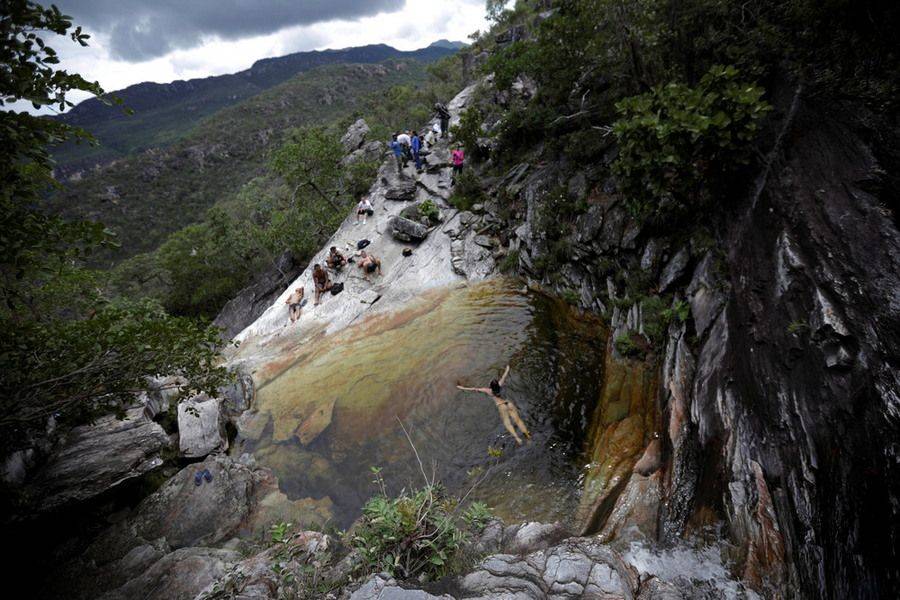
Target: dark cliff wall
(807, 372)
(779, 396)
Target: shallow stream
(331, 408)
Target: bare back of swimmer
(509, 413)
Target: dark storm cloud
(144, 29)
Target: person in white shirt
(364, 209)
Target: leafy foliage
(66, 351)
(676, 141)
(467, 190)
(429, 210)
(418, 533)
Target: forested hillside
(159, 114)
(145, 197)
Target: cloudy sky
(165, 40)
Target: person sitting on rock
(509, 414)
(369, 264)
(335, 260)
(322, 282)
(295, 304)
(364, 209)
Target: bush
(676, 143)
(630, 345)
(467, 191)
(411, 535)
(510, 262)
(429, 210)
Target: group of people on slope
(409, 145)
(366, 262)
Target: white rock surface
(404, 278)
(201, 427)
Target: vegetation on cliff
(68, 352)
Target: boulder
(369, 152)
(180, 575)
(401, 191)
(355, 136)
(577, 568)
(382, 587)
(406, 230)
(201, 426)
(237, 397)
(91, 459)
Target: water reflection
(329, 411)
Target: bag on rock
(362, 244)
(337, 288)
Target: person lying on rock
(509, 414)
(322, 281)
(295, 304)
(335, 260)
(368, 263)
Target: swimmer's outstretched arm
(505, 373)
(471, 389)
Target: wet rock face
(806, 385)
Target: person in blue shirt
(416, 145)
(398, 152)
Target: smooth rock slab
(180, 575)
(91, 459)
(201, 427)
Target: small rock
(484, 241)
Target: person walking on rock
(444, 116)
(458, 159)
(398, 152)
(416, 145)
(509, 414)
(405, 142)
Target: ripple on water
(329, 411)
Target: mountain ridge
(165, 112)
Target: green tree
(66, 350)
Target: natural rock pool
(329, 409)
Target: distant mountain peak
(442, 43)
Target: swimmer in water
(509, 414)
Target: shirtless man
(369, 264)
(321, 281)
(509, 414)
(295, 304)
